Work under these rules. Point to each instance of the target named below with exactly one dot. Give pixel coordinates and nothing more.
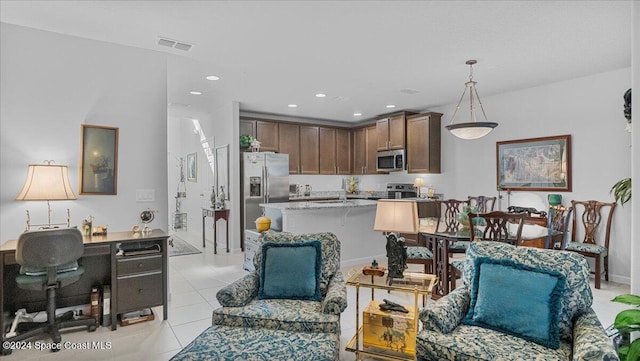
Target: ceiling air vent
(180, 45)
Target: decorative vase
(554, 199)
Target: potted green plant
(622, 191)
(245, 140)
(628, 321)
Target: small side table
(216, 214)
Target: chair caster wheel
(92, 328)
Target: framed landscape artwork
(99, 160)
(192, 167)
(222, 169)
(535, 164)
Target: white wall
(50, 85)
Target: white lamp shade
(396, 216)
(46, 183)
(419, 182)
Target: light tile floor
(193, 283)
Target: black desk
(130, 290)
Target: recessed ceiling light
(195, 93)
(391, 106)
(321, 95)
(292, 105)
(357, 114)
(213, 77)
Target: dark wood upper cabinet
(267, 134)
(328, 151)
(248, 127)
(371, 152)
(390, 132)
(359, 150)
(289, 143)
(309, 149)
(343, 151)
(423, 143)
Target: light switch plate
(145, 195)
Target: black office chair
(48, 260)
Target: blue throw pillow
(517, 300)
(291, 271)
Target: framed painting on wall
(192, 167)
(535, 164)
(222, 169)
(99, 160)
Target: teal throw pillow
(291, 271)
(517, 300)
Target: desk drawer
(142, 264)
(96, 250)
(140, 291)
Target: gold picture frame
(98, 160)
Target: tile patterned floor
(193, 283)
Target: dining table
(440, 243)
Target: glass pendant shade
(472, 129)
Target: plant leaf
(627, 319)
(622, 191)
(628, 299)
(634, 351)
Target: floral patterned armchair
(448, 333)
(242, 308)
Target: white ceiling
(362, 54)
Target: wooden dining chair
(496, 227)
(483, 204)
(588, 217)
(559, 220)
(450, 211)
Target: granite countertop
(321, 204)
(327, 195)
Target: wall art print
(535, 164)
(99, 160)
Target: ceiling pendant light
(472, 129)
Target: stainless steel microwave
(390, 161)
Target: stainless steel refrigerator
(265, 179)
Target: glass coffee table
(418, 284)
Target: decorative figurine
(214, 199)
(87, 225)
(221, 198)
(255, 145)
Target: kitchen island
(351, 221)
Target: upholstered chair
(244, 304)
(515, 302)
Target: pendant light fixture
(472, 129)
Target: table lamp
(47, 182)
(419, 183)
(394, 216)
